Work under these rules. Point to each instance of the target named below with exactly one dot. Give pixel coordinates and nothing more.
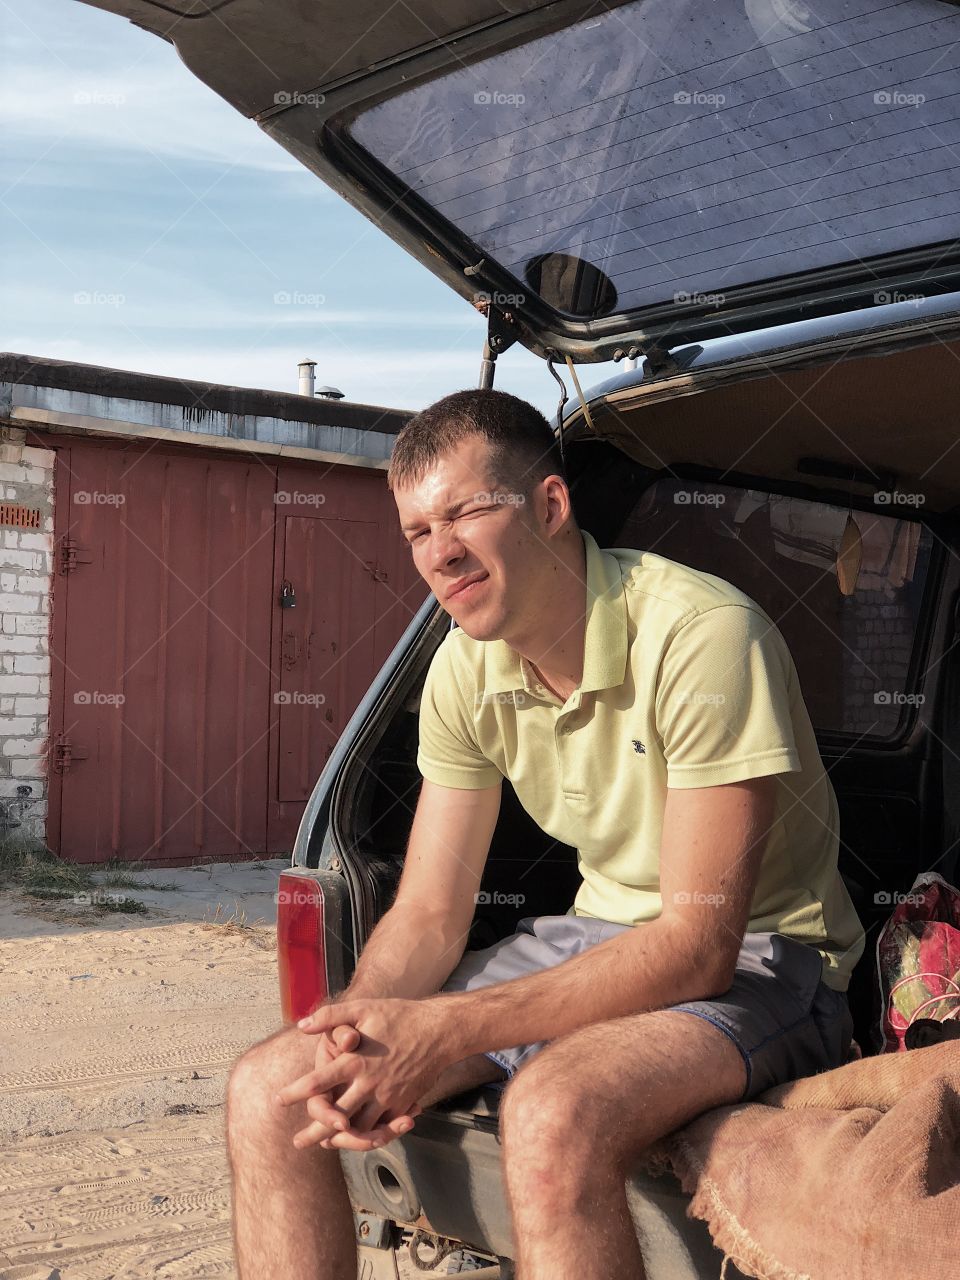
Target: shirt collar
(605, 642)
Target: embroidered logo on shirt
(638, 747)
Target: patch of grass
(120, 874)
(236, 922)
(44, 870)
(41, 874)
(131, 906)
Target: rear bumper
(445, 1177)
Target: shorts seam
(500, 1062)
(715, 1022)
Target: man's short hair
(523, 448)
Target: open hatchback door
(604, 178)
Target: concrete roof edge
(198, 396)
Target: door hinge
(71, 554)
(64, 753)
(378, 575)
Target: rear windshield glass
(852, 651)
(684, 148)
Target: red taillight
(300, 949)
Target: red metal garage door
(341, 553)
(161, 673)
(191, 713)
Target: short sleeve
(448, 753)
(724, 700)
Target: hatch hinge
(660, 359)
(501, 330)
(501, 334)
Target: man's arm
(712, 845)
(711, 849)
(418, 943)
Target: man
(650, 715)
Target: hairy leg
(273, 1181)
(575, 1119)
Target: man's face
(477, 547)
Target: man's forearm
(410, 953)
(645, 968)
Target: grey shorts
(785, 1021)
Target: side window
(844, 587)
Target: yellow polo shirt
(686, 683)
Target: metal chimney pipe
(306, 369)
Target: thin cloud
(160, 110)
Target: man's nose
(447, 549)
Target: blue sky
(147, 225)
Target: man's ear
(557, 506)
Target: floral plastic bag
(918, 960)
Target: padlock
(288, 599)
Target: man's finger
(378, 1137)
(355, 1096)
(368, 1117)
(330, 1016)
(341, 1070)
(313, 1135)
(345, 1038)
(322, 1108)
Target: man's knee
(552, 1128)
(259, 1073)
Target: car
(758, 203)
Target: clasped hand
(375, 1059)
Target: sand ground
(118, 1034)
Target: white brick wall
(26, 571)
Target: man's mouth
(466, 586)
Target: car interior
(860, 585)
(825, 490)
